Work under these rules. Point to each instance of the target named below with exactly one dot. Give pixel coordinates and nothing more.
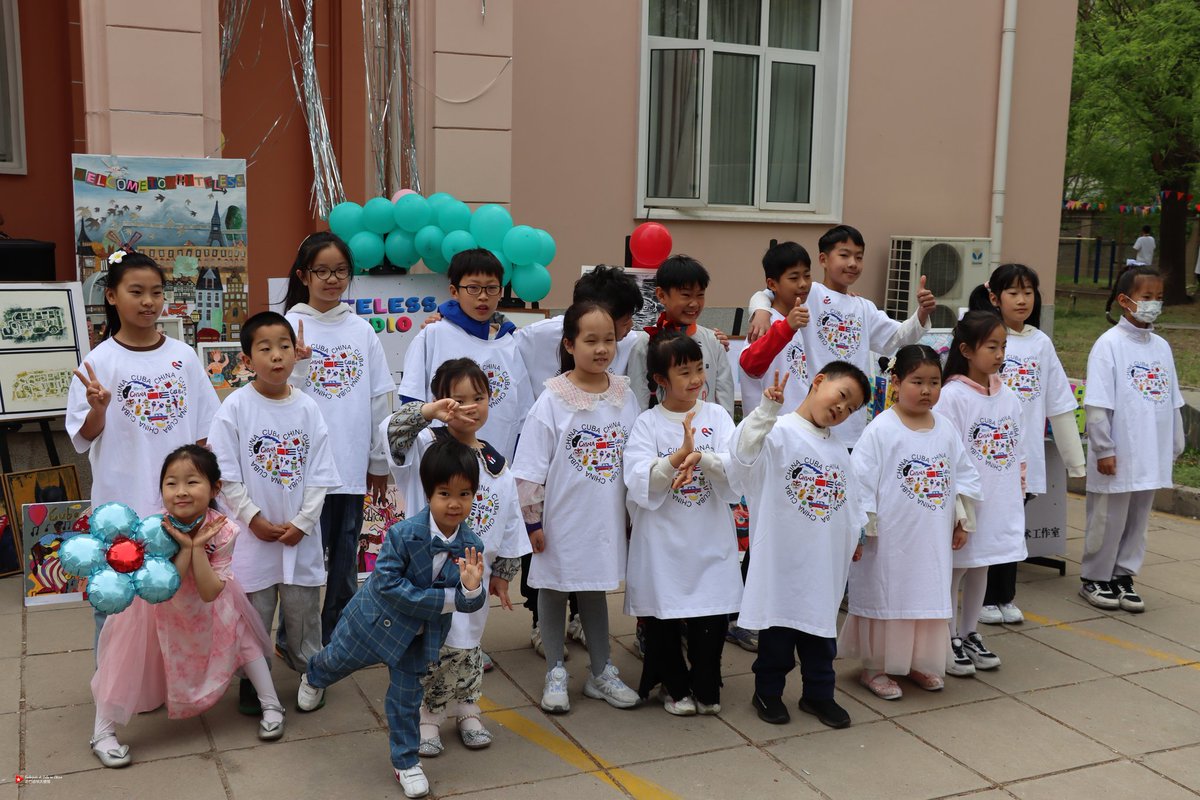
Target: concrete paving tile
(619, 623)
(1029, 664)
(1114, 646)
(195, 778)
(1052, 603)
(1127, 718)
(1181, 684)
(1181, 578)
(56, 679)
(878, 760)
(1175, 544)
(1042, 745)
(1173, 522)
(312, 768)
(737, 711)
(507, 630)
(59, 630)
(1178, 623)
(10, 684)
(1105, 780)
(736, 772)
(1182, 765)
(10, 745)
(589, 786)
(12, 639)
(1076, 511)
(957, 692)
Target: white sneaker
(535, 641)
(1012, 615)
(607, 686)
(554, 695)
(575, 630)
(684, 707)
(309, 697)
(991, 615)
(705, 710)
(957, 662)
(412, 781)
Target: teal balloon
(437, 199)
(522, 245)
(504, 262)
(367, 250)
(429, 242)
(400, 247)
(109, 591)
(489, 223)
(82, 554)
(455, 242)
(346, 219)
(548, 249)
(378, 215)
(454, 215)
(156, 580)
(436, 263)
(531, 282)
(411, 213)
(156, 540)
(112, 520)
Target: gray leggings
(552, 620)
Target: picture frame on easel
(49, 485)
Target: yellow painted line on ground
(575, 755)
(1115, 641)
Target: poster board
(188, 214)
(394, 305)
(43, 339)
(44, 529)
(377, 518)
(1046, 514)
(222, 362)
(651, 308)
(50, 485)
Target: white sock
(260, 675)
(431, 722)
(467, 715)
(104, 734)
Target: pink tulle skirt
(182, 653)
(896, 646)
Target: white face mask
(1147, 311)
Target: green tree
(233, 219)
(1135, 114)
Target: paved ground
(1086, 704)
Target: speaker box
(26, 260)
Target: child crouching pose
(804, 526)
(683, 567)
(917, 483)
(430, 565)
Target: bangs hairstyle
(838, 234)
(454, 370)
(476, 261)
(612, 286)
(681, 272)
(782, 257)
(445, 459)
(971, 330)
(1006, 276)
(202, 459)
(307, 253)
(576, 312)
(844, 369)
(669, 349)
(116, 273)
(911, 357)
(263, 319)
(1125, 283)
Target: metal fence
(1092, 261)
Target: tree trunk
(1172, 242)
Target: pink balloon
(401, 193)
(37, 514)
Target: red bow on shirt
(665, 323)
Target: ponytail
(1125, 283)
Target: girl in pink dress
(184, 651)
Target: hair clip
(116, 256)
(891, 367)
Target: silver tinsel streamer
(233, 19)
(327, 182)
(387, 44)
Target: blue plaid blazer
(401, 598)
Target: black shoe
(828, 711)
(771, 710)
(248, 699)
(1127, 596)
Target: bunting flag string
(1134, 209)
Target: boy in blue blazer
(429, 566)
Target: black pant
(664, 662)
(1001, 584)
(775, 660)
(530, 593)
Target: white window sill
(734, 215)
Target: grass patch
(1187, 468)
(1079, 321)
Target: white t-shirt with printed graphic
(1035, 375)
(508, 380)
(161, 400)
(275, 448)
(909, 480)
(990, 427)
(805, 521)
(683, 558)
(1131, 372)
(577, 455)
(347, 369)
(538, 344)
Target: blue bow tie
(440, 545)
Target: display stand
(12, 426)
(1046, 516)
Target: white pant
(1115, 541)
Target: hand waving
(775, 390)
(470, 569)
(97, 395)
(303, 351)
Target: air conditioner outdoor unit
(952, 269)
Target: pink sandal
(881, 685)
(930, 683)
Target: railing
(1088, 259)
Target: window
(12, 107)
(743, 109)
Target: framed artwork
(10, 558)
(44, 335)
(223, 363)
(651, 308)
(377, 518)
(171, 326)
(44, 529)
(50, 485)
(97, 327)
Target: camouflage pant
(457, 676)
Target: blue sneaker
(747, 640)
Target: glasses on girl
(325, 273)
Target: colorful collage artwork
(188, 214)
(43, 338)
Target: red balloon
(126, 555)
(650, 243)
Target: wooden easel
(12, 426)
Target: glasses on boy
(474, 289)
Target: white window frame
(15, 113)
(830, 102)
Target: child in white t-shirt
(1143, 247)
